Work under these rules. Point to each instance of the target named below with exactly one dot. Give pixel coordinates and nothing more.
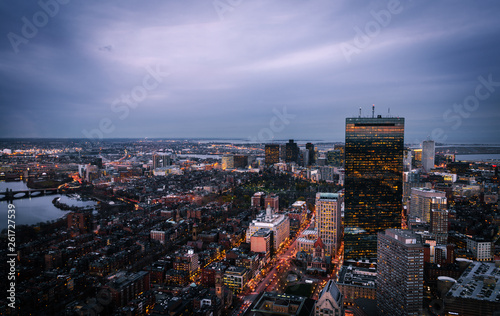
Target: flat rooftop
(357, 276)
(480, 281)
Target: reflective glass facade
(373, 182)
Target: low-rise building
(235, 278)
(357, 282)
(330, 301)
(279, 224)
(481, 249)
(476, 292)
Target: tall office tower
(227, 162)
(428, 153)
(329, 220)
(292, 152)
(416, 157)
(304, 157)
(283, 152)
(240, 161)
(400, 275)
(272, 154)
(161, 160)
(407, 159)
(312, 153)
(439, 226)
(373, 182)
(423, 200)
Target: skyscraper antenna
(373, 110)
(389, 111)
(359, 111)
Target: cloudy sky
(249, 69)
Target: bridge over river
(10, 195)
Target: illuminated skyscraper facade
(329, 220)
(373, 182)
(423, 200)
(400, 273)
(272, 154)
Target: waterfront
(34, 210)
(478, 157)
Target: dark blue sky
(248, 68)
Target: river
(37, 209)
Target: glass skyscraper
(373, 182)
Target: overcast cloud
(219, 68)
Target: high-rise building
(272, 152)
(240, 161)
(416, 157)
(161, 160)
(428, 153)
(329, 220)
(292, 152)
(439, 226)
(304, 157)
(227, 162)
(373, 182)
(400, 268)
(423, 200)
(312, 153)
(407, 160)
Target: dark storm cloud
(230, 64)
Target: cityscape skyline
(249, 70)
